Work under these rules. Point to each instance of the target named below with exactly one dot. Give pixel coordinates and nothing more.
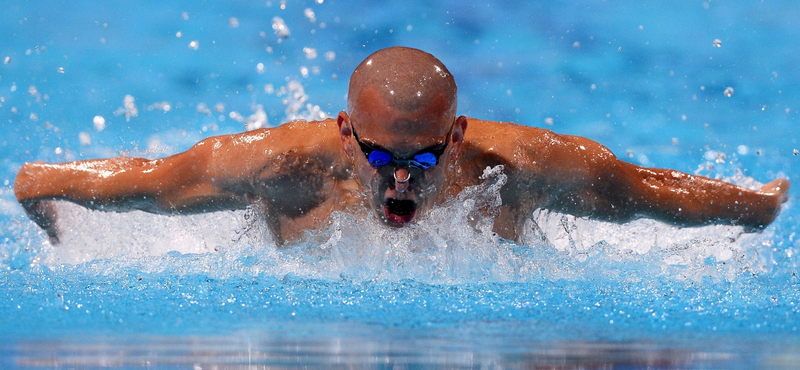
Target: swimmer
(398, 150)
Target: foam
(451, 244)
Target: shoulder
(281, 148)
(493, 132)
(294, 136)
(508, 143)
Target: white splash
(453, 243)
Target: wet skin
(403, 101)
(403, 134)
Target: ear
(345, 132)
(457, 137)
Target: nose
(401, 179)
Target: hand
(777, 190)
(44, 214)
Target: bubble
(330, 56)
(548, 121)
(219, 107)
(304, 71)
(194, 45)
(185, 16)
(576, 45)
(7, 60)
(58, 151)
(718, 43)
(280, 27)
(260, 68)
(60, 69)
(178, 34)
(233, 22)
(795, 151)
(728, 91)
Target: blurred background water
(702, 87)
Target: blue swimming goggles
(424, 159)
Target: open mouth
(399, 211)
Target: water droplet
(178, 34)
(280, 26)
(330, 56)
(310, 15)
(84, 138)
(311, 53)
(99, 123)
(233, 22)
(185, 16)
(194, 45)
(742, 149)
(203, 108)
(7, 60)
(576, 45)
(58, 151)
(728, 91)
(548, 121)
(60, 69)
(718, 43)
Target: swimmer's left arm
(585, 178)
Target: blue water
(142, 291)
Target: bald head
(405, 79)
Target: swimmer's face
(401, 158)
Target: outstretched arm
(585, 178)
(198, 180)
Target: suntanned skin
(403, 100)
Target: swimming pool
(705, 87)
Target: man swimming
(398, 150)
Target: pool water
(702, 87)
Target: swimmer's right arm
(215, 174)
